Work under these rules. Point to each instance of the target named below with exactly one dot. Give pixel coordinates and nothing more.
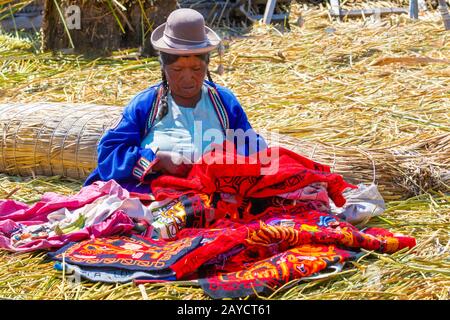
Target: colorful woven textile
(131, 253)
(242, 188)
(233, 259)
(240, 232)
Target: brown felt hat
(184, 33)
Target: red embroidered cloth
(249, 178)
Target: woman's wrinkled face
(185, 76)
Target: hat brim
(159, 44)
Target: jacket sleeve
(254, 142)
(120, 155)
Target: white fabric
(361, 205)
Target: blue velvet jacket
(120, 156)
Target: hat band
(184, 44)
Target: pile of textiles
(229, 227)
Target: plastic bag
(362, 204)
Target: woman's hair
(167, 59)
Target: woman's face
(185, 76)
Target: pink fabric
(313, 192)
(17, 211)
(118, 223)
(14, 213)
(10, 208)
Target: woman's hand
(172, 163)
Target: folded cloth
(225, 172)
(276, 233)
(236, 227)
(97, 211)
(241, 188)
(134, 253)
(170, 216)
(314, 192)
(266, 275)
(47, 223)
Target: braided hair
(167, 59)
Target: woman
(165, 128)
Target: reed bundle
(52, 138)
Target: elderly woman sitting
(167, 127)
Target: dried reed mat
(61, 139)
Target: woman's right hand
(172, 163)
